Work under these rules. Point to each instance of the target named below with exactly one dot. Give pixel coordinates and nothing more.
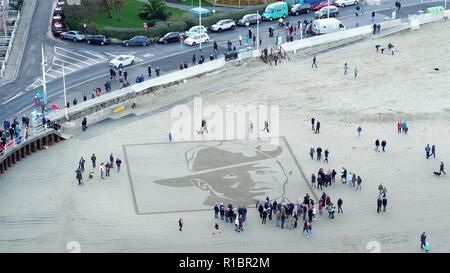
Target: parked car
(58, 11)
(323, 12)
(317, 7)
(343, 3)
(97, 39)
(298, 9)
(73, 35)
(122, 60)
(195, 30)
(249, 19)
(169, 38)
(57, 29)
(197, 39)
(223, 25)
(57, 19)
(275, 11)
(136, 41)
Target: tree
(154, 8)
(118, 4)
(109, 4)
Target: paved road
(87, 65)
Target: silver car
(75, 36)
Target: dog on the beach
(437, 173)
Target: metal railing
(10, 43)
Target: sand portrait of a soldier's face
(204, 173)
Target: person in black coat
(317, 127)
(383, 145)
(384, 203)
(379, 202)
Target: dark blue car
(137, 41)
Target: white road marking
(18, 94)
(110, 54)
(51, 76)
(71, 52)
(56, 71)
(96, 55)
(65, 62)
(68, 57)
(148, 55)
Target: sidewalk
(20, 39)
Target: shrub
(159, 28)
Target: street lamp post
(65, 94)
(200, 22)
(328, 9)
(44, 84)
(257, 31)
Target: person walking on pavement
(81, 164)
(180, 224)
(373, 16)
(240, 39)
(125, 75)
(427, 150)
(93, 159)
(193, 59)
(215, 47)
(266, 126)
(340, 202)
(118, 163)
(149, 71)
(441, 168)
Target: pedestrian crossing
(73, 61)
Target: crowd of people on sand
(283, 215)
(105, 169)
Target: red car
(57, 20)
(57, 29)
(316, 7)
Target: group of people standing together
(104, 169)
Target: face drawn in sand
(233, 172)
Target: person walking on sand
(359, 131)
(340, 202)
(345, 69)
(319, 153)
(314, 63)
(356, 72)
(317, 127)
(102, 170)
(180, 224)
(266, 126)
(383, 145)
(358, 182)
(79, 176)
(93, 159)
(433, 151)
(326, 153)
(423, 240)
(313, 180)
(379, 202)
(441, 168)
(427, 150)
(118, 163)
(377, 145)
(313, 120)
(216, 229)
(311, 152)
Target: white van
(324, 26)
